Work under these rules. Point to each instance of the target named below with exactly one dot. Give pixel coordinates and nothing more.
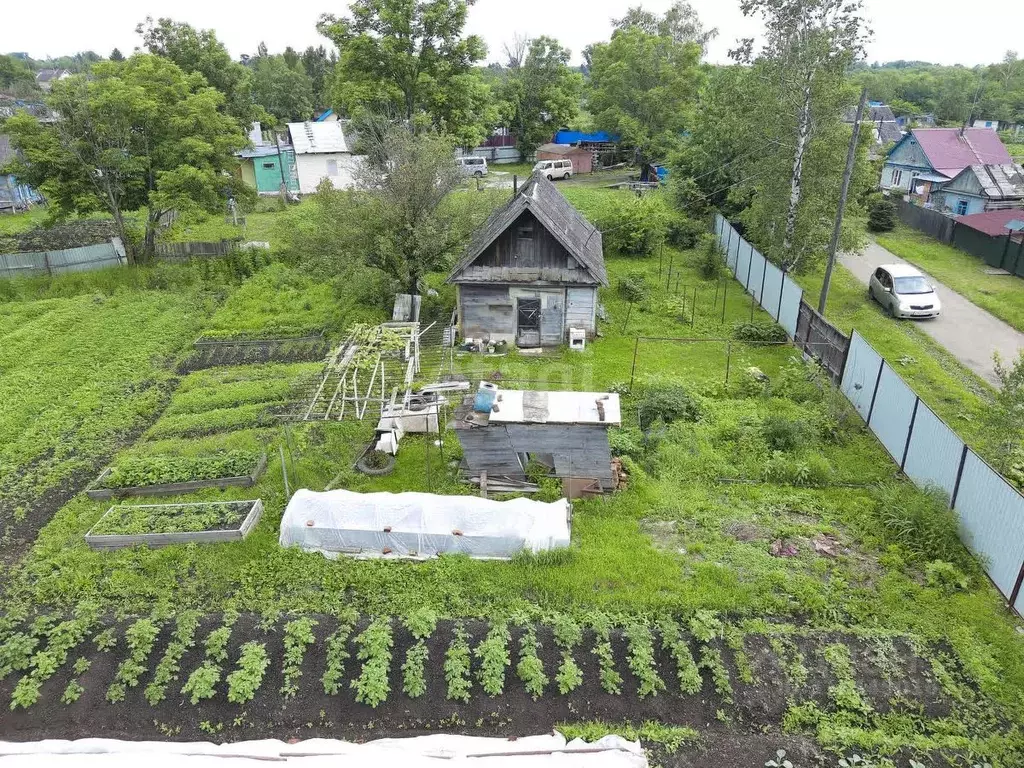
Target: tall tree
(116, 55)
(407, 178)
(318, 69)
(16, 76)
(540, 92)
(809, 46)
(285, 92)
(135, 135)
(680, 22)
(409, 58)
(200, 51)
(643, 87)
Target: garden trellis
(368, 368)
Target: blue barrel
(485, 397)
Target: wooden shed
(532, 271)
(582, 159)
(567, 431)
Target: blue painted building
(14, 196)
(268, 166)
(982, 188)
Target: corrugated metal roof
(267, 150)
(949, 152)
(992, 222)
(539, 196)
(318, 138)
(1000, 181)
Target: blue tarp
(575, 137)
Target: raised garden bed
(160, 525)
(100, 487)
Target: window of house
(269, 166)
(961, 207)
(524, 231)
(332, 167)
(897, 177)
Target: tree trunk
(149, 243)
(129, 246)
(803, 134)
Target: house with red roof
(927, 158)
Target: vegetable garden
(755, 588)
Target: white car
(554, 169)
(472, 166)
(904, 292)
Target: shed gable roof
(556, 214)
(318, 138)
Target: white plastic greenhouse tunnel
(552, 751)
(421, 525)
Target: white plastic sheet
(421, 525)
(419, 752)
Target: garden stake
(632, 371)
(284, 472)
(693, 308)
(629, 311)
(718, 285)
(725, 292)
(728, 359)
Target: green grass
(955, 393)
(693, 531)
(21, 222)
(1002, 295)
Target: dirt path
(970, 333)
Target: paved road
(969, 332)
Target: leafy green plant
(759, 332)
(494, 657)
(945, 577)
(669, 737)
(711, 660)
(158, 470)
(298, 635)
(667, 403)
(72, 693)
(337, 654)
(641, 658)
(169, 665)
(105, 640)
(216, 644)
(248, 676)
(779, 761)
(421, 624)
(202, 683)
(128, 519)
(457, 666)
(140, 638)
(782, 434)
(16, 653)
(846, 694)
(672, 640)
(710, 260)
(530, 668)
(882, 215)
(611, 680)
(634, 289)
(568, 634)
(375, 643)
(921, 522)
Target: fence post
(1016, 586)
(846, 356)
(632, 372)
(874, 394)
(910, 432)
(728, 242)
(728, 358)
(46, 263)
(764, 274)
(959, 477)
(725, 293)
(782, 287)
(750, 263)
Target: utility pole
(833, 246)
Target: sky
(940, 31)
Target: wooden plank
(155, 540)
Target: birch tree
(808, 48)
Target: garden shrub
(667, 403)
(782, 434)
(759, 332)
(945, 577)
(710, 258)
(627, 441)
(636, 227)
(633, 288)
(684, 232)
(882, 215)
(921, 522)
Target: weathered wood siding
(526, 253)
(487, 311)
(581, 309)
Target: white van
(472, 166)
(554, 169)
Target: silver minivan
(554, 169)
(472, 165)
(904, 292)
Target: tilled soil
(746, 732)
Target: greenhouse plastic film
(894, 406)
(992, 519)
(421, 524)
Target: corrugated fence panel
(890, 419)
(18, 264)
(934, 454)
(80, 259)
(791, 296)
(743, 263)
(731, 239)
(757, 263)
(992, 516)
(719, 225)
(772, 289)
(860, 373)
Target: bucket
(485, 395)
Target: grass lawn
(754, 582)
(20, 222)
(1002, 295)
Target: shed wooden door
(528, 322)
